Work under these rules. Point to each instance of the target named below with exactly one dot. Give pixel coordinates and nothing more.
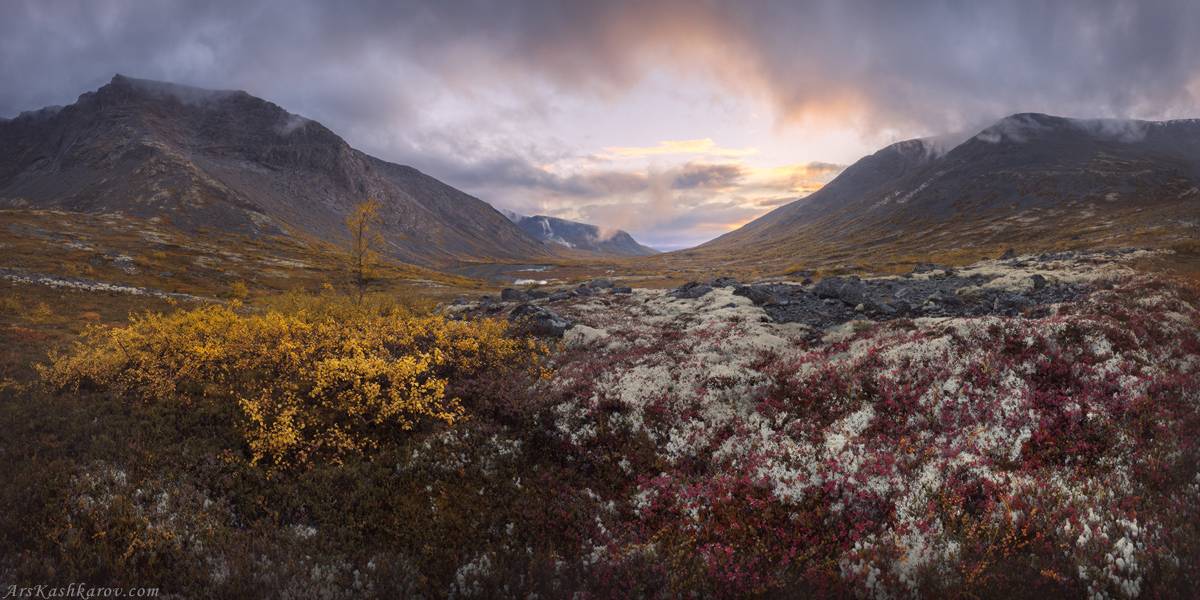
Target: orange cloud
(801, 178)
(705, 146)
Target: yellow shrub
(238, 290)
(42, 313)
(324, 375)
(11, 305)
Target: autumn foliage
(311, 376)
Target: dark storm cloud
(907, 65)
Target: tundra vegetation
(318, 446)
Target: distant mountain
(228, 161)
(579, 236)
(1030, 180)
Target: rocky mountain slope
(1032, 181)
(227, 161)
(581, 236)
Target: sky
(677, 121)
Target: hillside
(229, 162)
(580, 236)
(1031, 181)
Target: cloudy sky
(674, 120)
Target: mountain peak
(160, 90)
(1023, 127)
(225, 160)
(582, 236)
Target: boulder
(1009, 254)
(556, 296)
(540, 319)
(511, 295)
(1039, 282)
(622, 289)
(852, 293)
(1012, 304)
(756, 294)
(584, 290)
(690, 290)
(723, 282)
(828, 287)
(877, 308)
(602, 283)
(581, 336)
(946, 299)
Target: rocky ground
(92, 285)
(1026, 286)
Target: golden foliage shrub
(238, 290)
(311, 375)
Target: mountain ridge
(227, 160)
(1030, 180)
(580, 236)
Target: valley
(950, 372)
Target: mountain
(227, 161)
(581, 236)
(1030, 180)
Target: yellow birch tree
(365, 241)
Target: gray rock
(690, 290)
(584, 290)
(1011, 304)
(828, 287)
(723, 282)
(852, 294)
(1009, 254)
(755, 293)
(946, 299)
(876, 308)
(602, 283)
(540, 319)
(622, 289)
(511, 295)
(1039, 282)
(556, 296)
(537, 294)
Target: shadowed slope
(228, 161)
(1033, 181)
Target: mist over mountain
(580, 236)
(227, 161)
(1030, 180)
